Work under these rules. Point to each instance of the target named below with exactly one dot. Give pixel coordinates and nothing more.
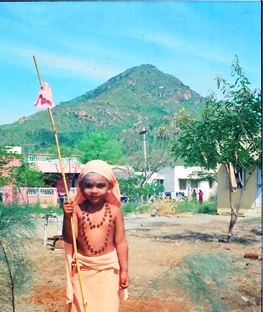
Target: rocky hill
(139, 97)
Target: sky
(80, 45)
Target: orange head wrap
(103, 168)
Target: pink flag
(44, 99)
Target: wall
(249, 204)
(45, 196)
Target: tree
(26, 175)
(7, 158)
(157, 145)
(133, 189)
(229, 133)
(15, 171)
(100, 145)
(148, 154)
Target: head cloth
(103, 168)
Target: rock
(154, 213)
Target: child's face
(95, 187)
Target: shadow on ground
(192, 236)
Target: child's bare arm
(68, 213)
(121, 246)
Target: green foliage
(16, 232)
(65, 150)
(229, 131)
(207, 207)
(143, 208)
(6, 159)
(135, 189)
(128, 208)
(140, 96)
(38, 210)
(206, 278)
(99, 145)
(256, 220)
(26, 176)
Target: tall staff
(48, 101)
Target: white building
(177, 181)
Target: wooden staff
(66, 189)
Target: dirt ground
(157, 244)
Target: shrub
(17, 230)
(128, 208)
(208, 207)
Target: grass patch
(128, 208)
(34, 210)
(207, 278)
(251, 220)
(207, 207)
(143, 208)
(171, 207)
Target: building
(252, 192)
(178, 181)
(53, 192)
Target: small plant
(206, 278)
(16, 233)
(143, 208)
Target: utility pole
(143, 132)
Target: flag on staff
(44, 99)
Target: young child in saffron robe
(102, 249)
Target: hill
(142, 96)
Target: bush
(208, 207)
(128, 208)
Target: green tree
(134, 189)
(100, 145)
(25, 175)
(7, 159)
(228, 133)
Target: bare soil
(156, 244)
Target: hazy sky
(80, 45)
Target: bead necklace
(87, 221)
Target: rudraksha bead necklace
(86, 221)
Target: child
(102, 249)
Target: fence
(43, 196)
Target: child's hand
(68, 207)
(124, 279)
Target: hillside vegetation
(139, 97)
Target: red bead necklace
(87, 221)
